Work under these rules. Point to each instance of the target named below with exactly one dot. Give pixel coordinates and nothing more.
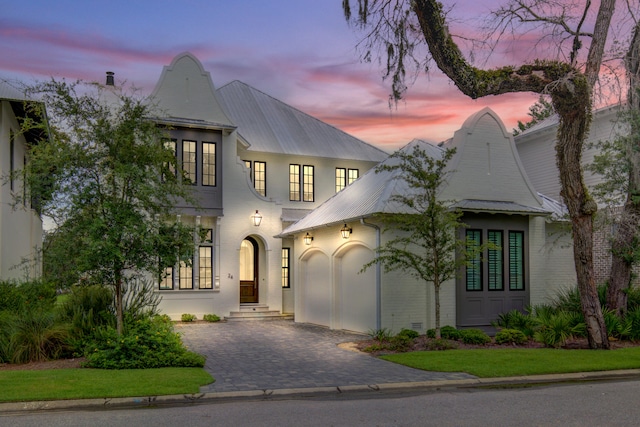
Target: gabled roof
(271, 126)
(10, 92)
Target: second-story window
(345, 177)
(353, 175)
(260, 177)
(294, 183)
(307, 183)
(209, 164)
(189, 161)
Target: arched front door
(249, 271)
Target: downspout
(378, 276)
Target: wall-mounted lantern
(307, 239)
(256, 218)
(346, 231)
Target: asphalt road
(601, 403)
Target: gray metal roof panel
(12, 92)
(270, 125)
(498, 206)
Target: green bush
(409, 333)
(19, 297)
(633, 319)
(446, 332)
(186, 317)
(616, 327)
(510, 336)
(515, 319)
(145, 343)
(211, 318)
(554, 329)
(474, 336)
(33, 336)
(381, 335)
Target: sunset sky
(299, 51)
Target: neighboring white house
(250, 157)
(490, 186)
(536, 147)
(20, 226)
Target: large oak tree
(399, 26)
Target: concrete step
(258, 312)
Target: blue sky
(299, 51)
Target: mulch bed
(50, 364)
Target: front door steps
(256, 312)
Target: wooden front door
(249, 271)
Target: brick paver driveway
(270, 355)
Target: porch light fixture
(346, 232)
(307, 239)
(256, 218)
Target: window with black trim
(345, 177)
(353, 175)
(473, 272)
(307, 183)
(166, 279)
(495, 261)
(190, 161)
(294, 183)
(516, 260)
(209, 164)
(260, 177)
(205, 267)
(286, 280)
(185, 276)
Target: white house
(250, 157)
(490, 186)
(20, 226)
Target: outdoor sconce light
(256, 218)
(307, 239)
(346, 231)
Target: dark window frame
(206, 177)
(495, 272)
(295, 186)
(306, 183)
(286, 269)
(188, 174)
(474, 268)
(517, 279)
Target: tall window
(286, 283)
(171, 146)
(495, 261)
(205, 266)
(189, 161)
(294, 182)
(516, 260)
(209, 164)
(166, 280)
(260, 177)
(186, 276)
(474, 266)
(307, 183)
(341, 178)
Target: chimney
(110, 81)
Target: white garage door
(357, 290)
(317, 289)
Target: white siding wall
(20, 229)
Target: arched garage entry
(316, 288)
(356, 291)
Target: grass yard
(61, 384)
(493, 363)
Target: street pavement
(281, 354)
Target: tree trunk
(624, 243)
(436, 294)
(119, 319)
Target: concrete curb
(199, 398)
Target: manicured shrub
(145, 343)
(409, 333)
(211, 318)
(474, 336)
(400, 342)
(450, 333)
(510, 336)
(186, 317)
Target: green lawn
(515, 362)
(60, 384)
